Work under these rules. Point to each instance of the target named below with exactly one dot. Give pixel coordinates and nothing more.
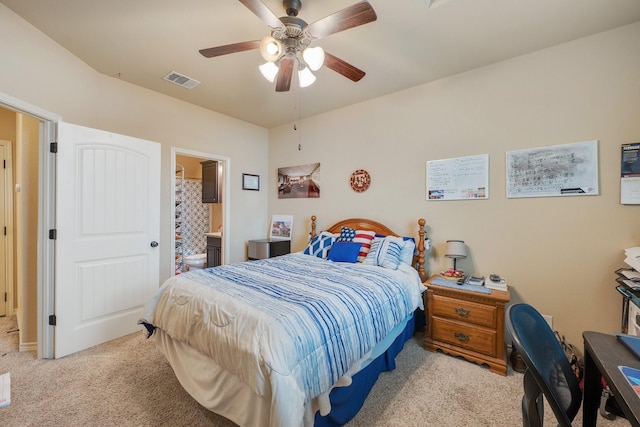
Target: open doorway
(29, 294)
(196, 223)
(6, 226)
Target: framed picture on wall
(250, 182)
(281, 227)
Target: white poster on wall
(558, 170)
(460, 178)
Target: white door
(3, 232)
(108, 224)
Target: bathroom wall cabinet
(210, 184)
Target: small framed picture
(281, 227)
(250, 182)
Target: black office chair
(548, 370)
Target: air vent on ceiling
(434, 3)
(181, 80)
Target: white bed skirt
(222, 392)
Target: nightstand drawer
(464, 311)
(465, 336)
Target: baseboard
(28, 347)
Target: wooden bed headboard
(368, 224)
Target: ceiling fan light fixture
(306, 77)
(269, 70)
(314, 57)
(270, 48)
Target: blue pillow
(344, 252)
(408, 250)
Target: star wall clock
(360, 180)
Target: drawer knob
(462, 311)
(461, 337)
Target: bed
(295, 340)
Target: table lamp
(455, 249)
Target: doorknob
(154, 244)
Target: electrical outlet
(549, 320)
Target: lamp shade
(269, 70)
(456, 249)
(270, 48)
(314, 57)
(306, 77)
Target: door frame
(8, 216)
(46, 219)
(226, 209)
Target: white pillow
(385, 252)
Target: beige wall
(39, 72)
(558, 254)
(26, 226)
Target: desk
(603, 353)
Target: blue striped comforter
(290, 326)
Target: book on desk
(631, 342)
(633, 377)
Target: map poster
(461, 178)
(558, 170)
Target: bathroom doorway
(194, 221)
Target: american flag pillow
(364, 237)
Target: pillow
(408, 250)
(385, 252)
(358, 236)
(347, 234)
(344, 252)
(320, 245)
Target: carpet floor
(128, 382)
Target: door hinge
(52, 320)
(6, 297)
(5, 231)
(53, 234)
(53, 147)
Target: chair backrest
(545, 359)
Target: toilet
(195, 261)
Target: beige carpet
(127, 382)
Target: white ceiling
(140, 41)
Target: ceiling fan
(288, 48)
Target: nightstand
(468, 324)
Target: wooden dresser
(467, 324)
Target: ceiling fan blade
(341, 67)
(263, 12)
(230, 48)
(284, 75)
(355, 15)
